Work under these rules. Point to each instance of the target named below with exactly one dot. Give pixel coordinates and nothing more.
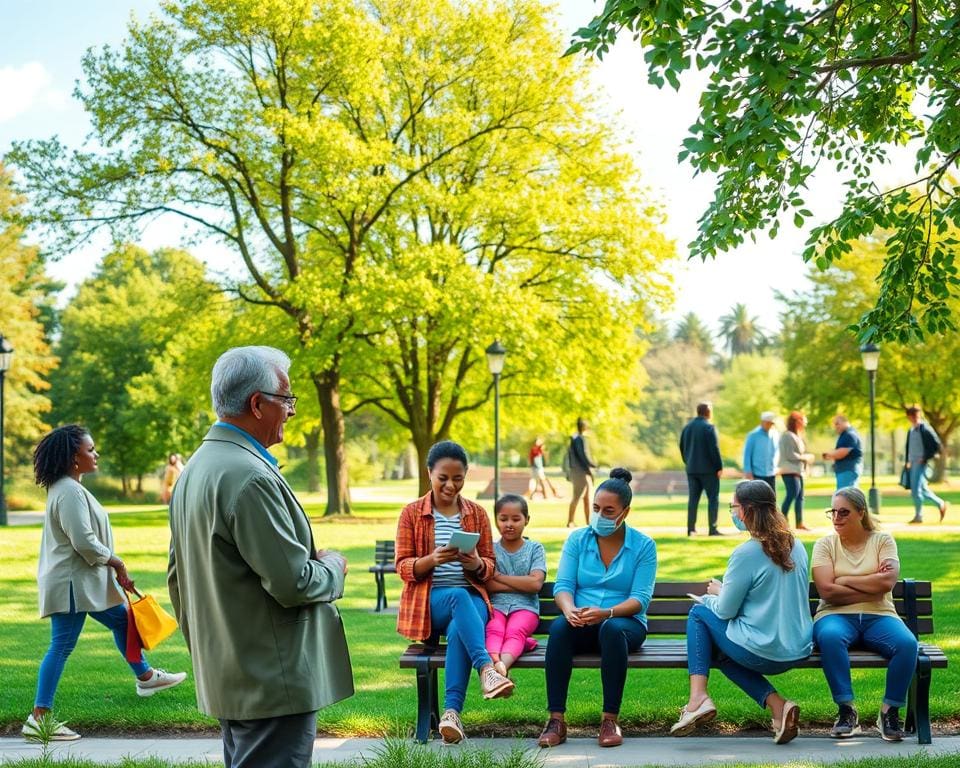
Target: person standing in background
(700, 451)
(171, 472)
(760, 452)
(538, 474)
(847, 456)
(794, 461)
(580, 466)
(923, 443)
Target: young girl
(521, 569)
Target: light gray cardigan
(77, 541)
(792, 450)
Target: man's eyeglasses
(289, 400)
(841, 513)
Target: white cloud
(26, 86)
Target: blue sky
(44, 41)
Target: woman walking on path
(756, 621)
(794, 460)
(443, 586)
(855, 569)
(604, 585)
(79, 570)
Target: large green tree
(797, 85)
(326, 142)
(26, 308)
(693, 331)
(121, 348)
(825, 373)
(751, 384)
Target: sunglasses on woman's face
(841, 513)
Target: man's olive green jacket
(256, 609)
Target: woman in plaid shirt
(443, 592)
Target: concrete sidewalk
(582, 753)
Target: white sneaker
(160, 681)
(689, 720)
(450, 727)
(31, 731)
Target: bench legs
(917, 719)
(428, 713)
(381, 591)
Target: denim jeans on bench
(887, 635)
(461, 615)
(707, 641)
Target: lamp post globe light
(496, 353)
(6, 355)
(870, 354)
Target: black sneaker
(888, 723)
(847, 724)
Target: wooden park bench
(511, 481)
(383, 557)
(666, 648)
(667, 482)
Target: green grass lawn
(97, 691)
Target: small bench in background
(383, 559)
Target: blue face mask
(741, 526)
(603, 526)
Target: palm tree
(740, 333)
(693, 331)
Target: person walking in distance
(760, 452)
(923, 443)
(580, 466)
(700, 451)
(253, 595)
(847, 456)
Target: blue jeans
(847, 478)
(707, 642)
(614, 639)
(794, 487)
(64, 633)
(461, 615)
(886, 635)
(919, 490)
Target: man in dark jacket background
(580, 465)
(923, 443)
(700, 451)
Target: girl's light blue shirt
(632, 572)
(768, 608)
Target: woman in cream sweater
(79, 572)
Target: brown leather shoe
(610, 735)
(553, 733)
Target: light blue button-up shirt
(632, 572)
(760, 453)
(253, 441)
(768, 608)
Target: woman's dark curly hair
(55, 453)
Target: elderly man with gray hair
(760, 452)
(253, 595)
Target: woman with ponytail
(756, 621)
(604, 585)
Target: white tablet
(695, 598)
(465, 541)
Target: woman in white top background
(79, 572)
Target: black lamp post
(870, 354)
(6, 353)
(496, 353)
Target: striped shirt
(448, 574)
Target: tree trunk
(139, 483)
(409, 462)
(334, 453)
(313, 460)
(422, 443)
(125, 484)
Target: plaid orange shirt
(415, 539)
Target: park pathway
(582, 753)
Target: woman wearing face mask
(604, 584)
(756, 621)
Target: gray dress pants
(270, 742)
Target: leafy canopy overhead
(793, 86)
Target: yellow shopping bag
(154, 625)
